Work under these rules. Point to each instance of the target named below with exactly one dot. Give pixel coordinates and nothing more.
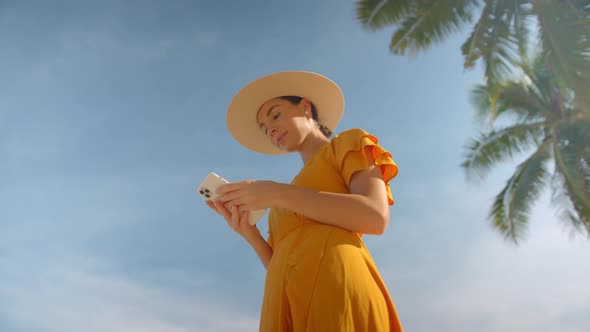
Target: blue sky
(111, 112)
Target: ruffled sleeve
(349, 152)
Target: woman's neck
(311, 145)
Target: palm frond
(510, 211)
(470, 50)
(377, 14)
(543, 80)
(560, 199)
(512, 98)
(521, 99)
(571, 165)
(495, 38)
(521, 30)
(501, 145)
(574, 135)
(431, 22)
(483, 98)
(564, 31)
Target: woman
(320, 275)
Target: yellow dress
(322, 278)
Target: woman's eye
(276, 116)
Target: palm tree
(549, 105)
(501, 32)
(547, 122)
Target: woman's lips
(280, 140)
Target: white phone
(213, 181)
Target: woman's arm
(262, 249)
(238, 221)
(364, 210)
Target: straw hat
(241, 113)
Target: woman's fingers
(244, 217)
(230, 196)
(235, 218)
(213, 206)
(221, 209)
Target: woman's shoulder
(348, 134)
(354, 139)
(352, 132)
(350, 137)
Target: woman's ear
(306, 107)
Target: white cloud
(450, 271)
(533, 287)
(82, 298)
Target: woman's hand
(249, 195)
(237, 219)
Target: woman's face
(285, 124)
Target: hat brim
(241, 113)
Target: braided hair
(295, 100)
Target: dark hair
(295, 100)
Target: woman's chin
(287, 147)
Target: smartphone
(210, 184)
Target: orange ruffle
(351, 156)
